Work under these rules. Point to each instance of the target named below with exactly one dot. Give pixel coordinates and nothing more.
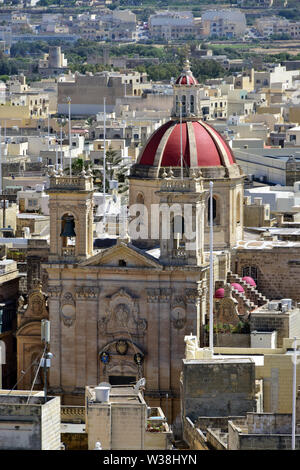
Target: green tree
(115, 170)
(77, 166)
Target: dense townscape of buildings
(149, 227)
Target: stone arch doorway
(121, 362)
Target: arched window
(214, 210)
(192, 103)
(178, 230)
(177, 105)
(250, 271)
(183, 101)
(238, 209)
(68, 230)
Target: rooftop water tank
(287, 302)
(102, 394)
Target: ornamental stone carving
(35, 310)
(68, 309)
(165, 295)
(159, 295)
(122, 316)
(36, 301)
(178, 317)
(87, 292)
(54, 291)
(153, 295)
(178, 300)
(192, 295)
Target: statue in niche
(122, 315)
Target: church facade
(121, 313)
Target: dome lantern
(186, 94)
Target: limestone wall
(193, 436)
(212, 389)
(278, 270)
(50, 430)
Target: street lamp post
(70, 138)
(294, 394)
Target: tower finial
(186, 65)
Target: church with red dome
(120, 309)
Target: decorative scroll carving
(165, 295)
(159, 295)
(86, 292)
(192, 295)
(54, 291)
(153, 295)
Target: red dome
(202, 146)
(237, 286)
(186, 79)
(249, 280)
(219, 294)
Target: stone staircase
(244, 304)
(251, 293)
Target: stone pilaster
(164, 338)
(152, 362)
(55, 335)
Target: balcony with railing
(68, 251)
(83, 182)
(72, 414)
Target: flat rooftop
(264, 245)
(120, 394)
(221, 359)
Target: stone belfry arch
(71, 215)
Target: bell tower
(71, 215)
(182, 208)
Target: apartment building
(228, 23)
(174, 25)
(275, 25)
(87, 91)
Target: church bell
(68, 230)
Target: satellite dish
(140, 383)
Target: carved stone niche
(121, 316)
(68, 309)
(36, 309)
